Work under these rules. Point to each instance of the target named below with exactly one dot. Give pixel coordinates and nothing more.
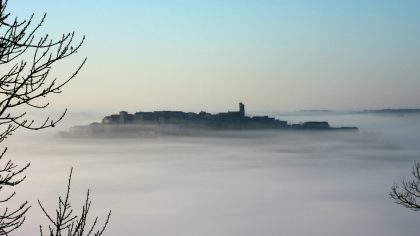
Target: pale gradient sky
(272, 55)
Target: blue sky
(272, 55)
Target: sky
(209, 55)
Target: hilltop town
(224, 120)
(179, 122)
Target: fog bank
(258, 183)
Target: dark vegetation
(26, 61)
(407, 193)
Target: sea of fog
(246, 184)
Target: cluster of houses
(228, 119)
(183, 123)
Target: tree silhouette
(9, 177)
(407, 193)
(66, 222)
(26, 61)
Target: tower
(241, 109)
(123, 117)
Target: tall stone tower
(241, 109)
(123, 117)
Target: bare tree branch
(407, 193)
(10, 175)
(26, 61)
(26, 83)
(66, 222)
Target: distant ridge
(366, 111)
(317, 110)
(393, 111)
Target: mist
(248, 183)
